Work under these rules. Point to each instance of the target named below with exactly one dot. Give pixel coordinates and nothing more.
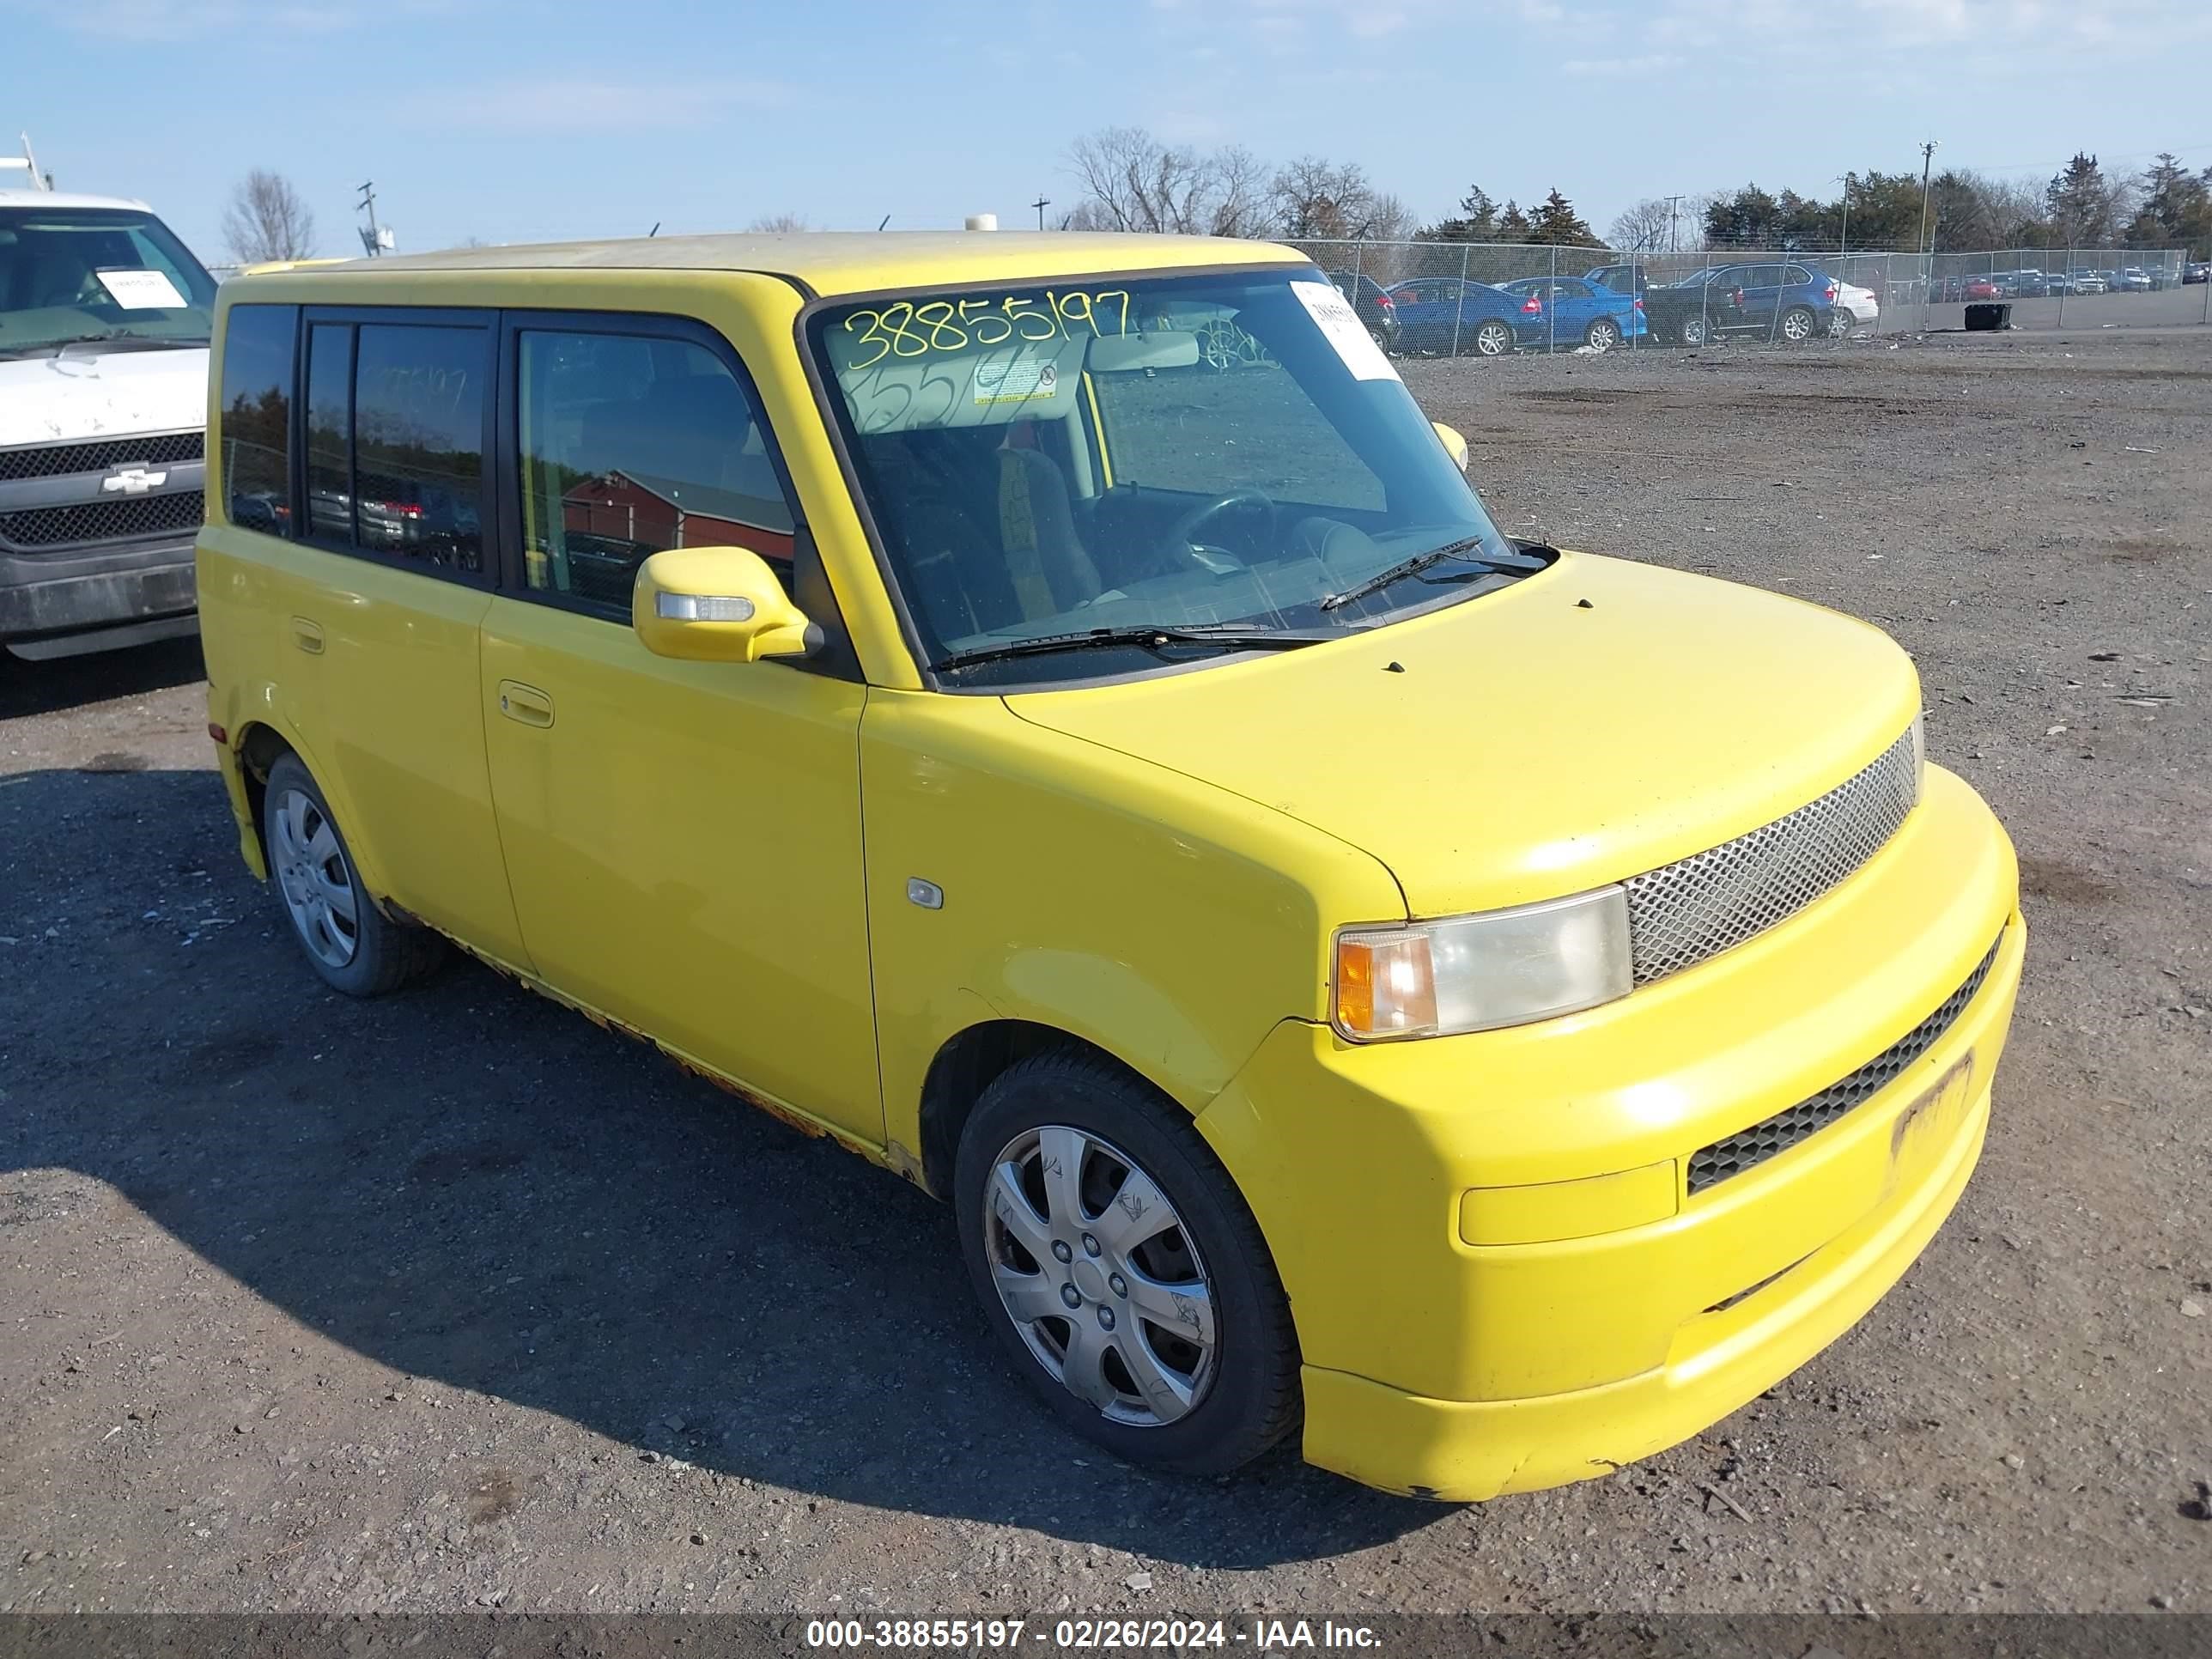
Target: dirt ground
(454, 1301)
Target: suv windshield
(1120, 454)
(71, 275)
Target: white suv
(104, 320)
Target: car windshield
(72, 275)
(1116, 454)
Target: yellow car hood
(1589, 723)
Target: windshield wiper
(116, 341)
(1150, 635)
(1420, 562)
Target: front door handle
(307, 635)
(525, 703)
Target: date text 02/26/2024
(1260, 1635)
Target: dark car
(1444, 314)
(2023, 284)
(2197, 273)
(1698, 307)
(1787, 303)
(1372, 304)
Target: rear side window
(395, 441)
(256, 417)
(419, 413)
(630, 444)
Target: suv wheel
(1120, 1270)
(354, 945)
(1797, 324)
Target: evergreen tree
(1558, 224)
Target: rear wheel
(1120, 1270)
(1492, 339)
(1797, 324)
(1839, 324)
(354, 945)
(1692, 331)
(1604, 335)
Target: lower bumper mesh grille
(1748, 1148)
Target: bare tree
(1321, 200)
(1133, 181)
(780, 223)
(266, 219)
(1644, 227)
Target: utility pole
(1927, 259)
(1674, 241)
(1844, 237)
(374, 240)
(1041, 203)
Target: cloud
(1650, 62)
(126, 21)
(581, 107)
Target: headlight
(1919, 757)
(1475, 973)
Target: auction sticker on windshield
(1344, 331)
(141, 291)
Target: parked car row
(2031, 284)
(1604, 308)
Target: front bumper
(1610, 1310)
(80, 590)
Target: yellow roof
(851, 262)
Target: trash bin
(1986, 314)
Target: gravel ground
(455, 1301)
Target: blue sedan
(1583, 313)
(1443, 314)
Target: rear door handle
(525, 703)
(307, 635)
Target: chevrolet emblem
(131, 481)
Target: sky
(511, 122)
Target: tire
(1839, 324)
(1492, 339)
(1204, 1402)
(364, 953)
(1798, 326)
(1692, 331)
(1604, 335)
(1382, 339)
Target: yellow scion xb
(1050, 713)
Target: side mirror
(1455, 445)
(716, 604)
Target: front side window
(256, 417)
(73, 277)
(630, 444)
(1224, 452)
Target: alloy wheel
(1099, 1275)
(311, 871)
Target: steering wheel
(1219, 560)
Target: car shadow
(468, 1183)
(29, 688)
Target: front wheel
(1492, 339)
(1120, 1270)
(1604, 335)
(1797, 324)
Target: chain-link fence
(1487, 299)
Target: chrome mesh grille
(1748, 1148)
(1698, 907)
(55, 460)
